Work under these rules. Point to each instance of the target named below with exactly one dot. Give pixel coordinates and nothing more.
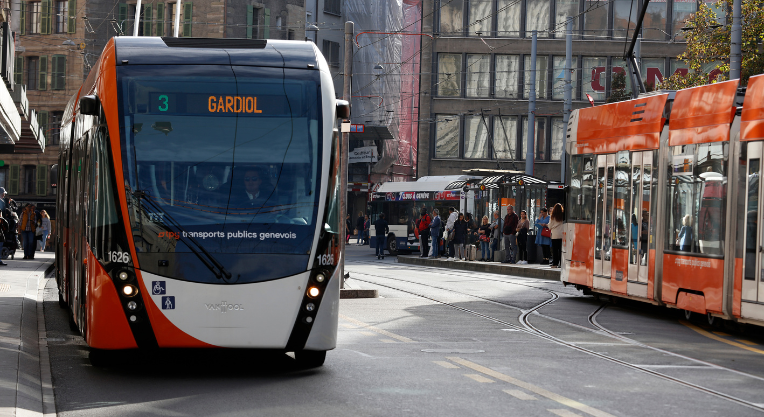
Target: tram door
(603, 220)
(753, 278)
(639, 216)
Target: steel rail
(532, 330)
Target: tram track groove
(528, 328)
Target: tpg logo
(224, 307)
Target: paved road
(440, 342)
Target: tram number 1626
(118, 257)
(327, 259)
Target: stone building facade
(49, 68)
(475, 74)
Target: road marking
(717, 338)
(480, 378)
(677, 366)
(563, 413)
(747, 342)
(376, 329)
(387, 340)
(721, 334)
(530, 387)
(519, 394)
(368, 333)
(445, 364)
(347, 326)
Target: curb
(490, 267)
(358, 293)
(34, 386)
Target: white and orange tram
(198, 198)
(664, 204)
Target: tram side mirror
(343, 109)
(90, 105)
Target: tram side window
(581, 190)
(102, 200)
(697, 195)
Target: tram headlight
(123, 276)
(310, 307)
(132, 305)
(320, 277)
(129, 290)
(313, 292)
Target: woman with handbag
(522, 238)
(484, 233)
(555, 225)
(544, 235)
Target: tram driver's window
(580, 192)
(697, 195)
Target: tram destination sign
(220, 104)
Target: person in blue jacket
(545, 242)
(435, 225)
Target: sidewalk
(528, 271)
(24, 383)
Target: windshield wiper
(218, 270)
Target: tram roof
(148, 50)
(429, 183)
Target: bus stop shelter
(500, 189)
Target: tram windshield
(227, 159)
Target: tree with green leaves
(618, 90)
(708, 45)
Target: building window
(331, 52)
(537, 17)
(654, 25)
(54, 131)
(507, 70)
(478, 75)
(505, 144)
(30, 179)
(34, 17)
(62, 16)
(620, 66)
(333, 7)
(594, 78)
(480, 18)
(447, 136)
(559, 129)
(33, 72)
(539, 137)
(541, 76)
(624, 16)
(558, 82)
(42, 123)
(681, 11)
(721, 12)
(680, 66)
(652, 71)
(563, 10)
(58, 72)
(475, 137)
(253, 23)
(595, 20)
(451, 23)
(18, 70)
(508, 19)
(450, 75)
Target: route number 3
(163, 106)
(119, 257)
(327, 259)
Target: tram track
(528, 328)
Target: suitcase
(473, 253)
(498, 256)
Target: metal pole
(530, 150)
(344, 146)
(736, 55)
(177, 19)
(568, 106)
(137, 18)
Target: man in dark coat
(510, 235)
(381, 228)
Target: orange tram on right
(663, 202)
